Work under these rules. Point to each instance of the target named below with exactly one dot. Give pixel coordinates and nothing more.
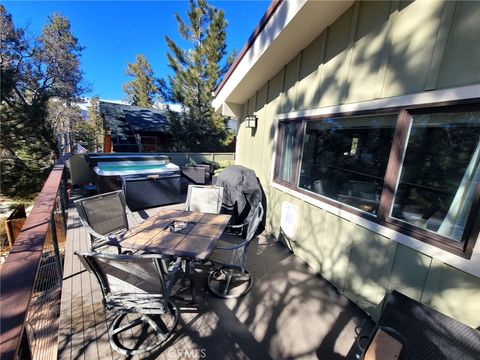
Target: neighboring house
(367, 143)
(134, 129)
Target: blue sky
(113, 32)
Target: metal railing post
(63, 201)
(53, 229)
(24, 351)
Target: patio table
(188, 235)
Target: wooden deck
(291, 313)
(25, 302)
(83, 328)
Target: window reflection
(287, 165)
(440, 174)
(345, 159)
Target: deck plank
(64, 343)
(77, 334)
(89, 323)
(79, 298)
(84, 324)
(101, 327)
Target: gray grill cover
(240, 185)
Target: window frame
(463, 248)
(297, 151)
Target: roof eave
(289, 28)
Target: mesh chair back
(426, 333)
(104, 213)
(124, 275)
(207, 199)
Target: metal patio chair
(207, 199)
(104, 217)
(424, 333)
(135, 288)
(229, 277)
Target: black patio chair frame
(227, 272)
(98, 240)
(144, 304)
(425, 334)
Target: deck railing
(31, 277)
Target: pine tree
(96, 122)
(93, 110)
(36, 73)
(36, 76)
(196, 74)
(141, 91)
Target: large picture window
(416, 171)
(440, 173)
(345, 159)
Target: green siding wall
(374, 50)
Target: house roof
(126, 120)
(286, 28)
(263, 21)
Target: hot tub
(94, 159)
(148, 183)
(109, 174)
(120, 168)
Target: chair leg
(162, 328)
(228, 283)
(191, 275)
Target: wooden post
(14, 223)
(107, 146)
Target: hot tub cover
(120, 168)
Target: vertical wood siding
(374, 50)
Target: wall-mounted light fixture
(251, 121)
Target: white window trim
(470, 266)
(427, 97)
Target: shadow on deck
(291, 313)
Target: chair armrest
(133, 216)
(237, 226)
(93, 232)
